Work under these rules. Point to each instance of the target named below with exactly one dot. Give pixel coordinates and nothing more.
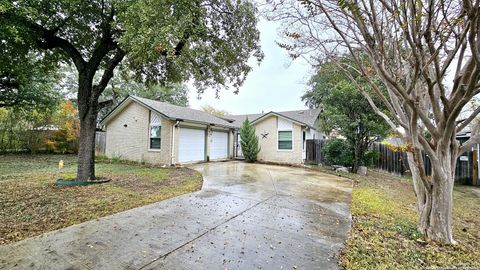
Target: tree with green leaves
(24, 89)
(212, 110)
(25, 79)
(123, 85)
(206, 41)
(25, 128)
(426, 56)
(249, 141)
(173, 93)
(345, 109)
(337, 152)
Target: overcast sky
(276, 85)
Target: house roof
(237, 120)
(304, 117)
(170, 111)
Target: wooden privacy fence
(397, 162)
(466, 170)
(100, 142)
(390, 161)
(314, 151)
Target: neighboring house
(150, 131)
(282, 135)
(156, 132)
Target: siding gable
(155, 119)
(283, 124)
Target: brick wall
(269, 148)
(128, 136)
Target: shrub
(23, 129)
(249, 141)
(337, 152)
(370, 157)
(65, 139)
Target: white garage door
(191, 145)
(219, 146)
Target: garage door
(191, 145)
(219, 145)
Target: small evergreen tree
(249, 141)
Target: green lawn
(32, 204)
(384, 235)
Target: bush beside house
(249, 141)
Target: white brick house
(150, 131)
(155, 132)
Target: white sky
(276, 85)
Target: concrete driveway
(247, 216)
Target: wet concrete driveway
(247, 216)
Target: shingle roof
(170, 111)
(182, 113)
(307, 117)
(304, 116)
(238, 119)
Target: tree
(345, 109)
(173, 93)
(123, 85)
(25, 80)
(249, 141)
(26, 89)
(211, 110)
(65, 139)
(25, 128)
(160, 40)
(337, 152)
(426, 55)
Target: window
(155, 131)
(285, 140)
(155, 139)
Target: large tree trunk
(88, 107)
(87, 111)
(86, 149)
(358, 154)
(418, 186)
(435, 201)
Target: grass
(31, 204)
(384, 234)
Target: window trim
(150, 138)
(278, 141)
(150, 125)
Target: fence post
(100, 142)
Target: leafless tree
(426, 55)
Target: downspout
(172, 159)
